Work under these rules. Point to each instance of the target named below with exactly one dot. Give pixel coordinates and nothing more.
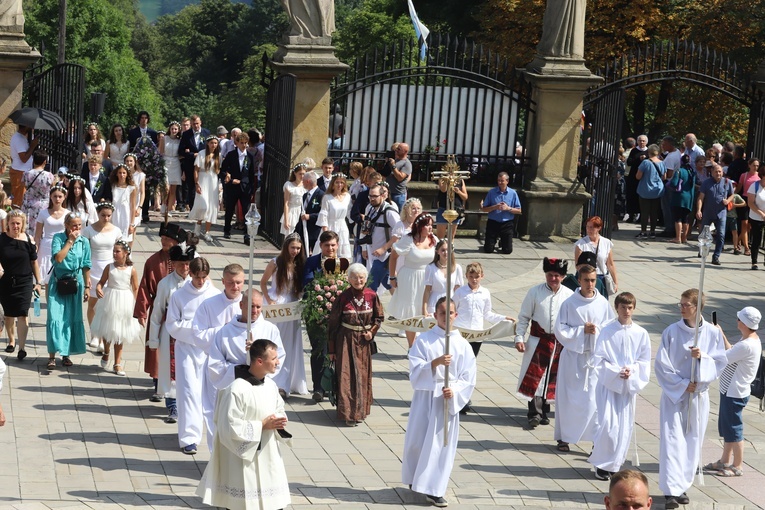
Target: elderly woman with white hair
(356, 316)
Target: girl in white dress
(418, 247)
(168, 147)
(92, 132)
(102, 235)
(335, 208)
(285, 276)
(124, 200)
(435, 278)
(206, 170)
(118, 145)
(50, 221)
(79, 199)
(293, 199)
(139, 181)
(114, 321)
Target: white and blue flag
(421, 30)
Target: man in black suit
(327, 167)
(310, 210)
(329, 242)
(141, 130)
(192, 141)
(96, 180)
(239, 182)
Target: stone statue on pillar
(561, 48)
(563, 29)
(311, 21)
(11, 17)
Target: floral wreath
(123, 244)
(104, 205)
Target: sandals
(10, 348)
(51, 364)
(563, 446)
(730, 471)
(118, 370)
(66, 361)
(716, 466)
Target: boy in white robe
(229, 349)
(213, 314)
(580, 319)
(246, 469)
(158, 336)
(680, 451)
(623, 365)
(427, 463)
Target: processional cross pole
(448, 177)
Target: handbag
(758, 384)
(610, 285)
(66, 285)
(329, 382)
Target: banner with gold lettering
(421, 323)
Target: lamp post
(448, 177)
(252, 220)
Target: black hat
(177, 254)
(173, 231)
(560, 266)
(587, 257)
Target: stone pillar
(15, 57)
(314, 63)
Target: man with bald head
(628, 491)
(692, 150)
(400, 175)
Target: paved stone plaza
(86, 438)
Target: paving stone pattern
(83, 438)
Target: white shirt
(743, 362)
(673, 160)
(602, 247)
(758, 191)
(93, 179)
(19, 144)
(473, 306)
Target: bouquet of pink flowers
(153, 165)
(316, 303)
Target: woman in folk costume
(684, 404)
(158, 337)
(355, 318)
(190, 359)
(155, 268)
(539, 368)
(623, 365)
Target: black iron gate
(460, 99)
(598, 168)
(60, 89)
(755, 146)
(280, 112)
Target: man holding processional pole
(436, 357)
(690, 357)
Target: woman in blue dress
(71, 258)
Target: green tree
(99, 39)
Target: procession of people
(225, 369)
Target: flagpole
(448, 177)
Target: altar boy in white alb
(427, 463)
(213, 314)
(229, 348)
(623, 365)
(580, 321)
(679, 451)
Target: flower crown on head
(211, 137)
(59, 187)
(74, 177)
(122, 165)
(104, 205)
(294, 237)
(125, 246)
(173, 123)
(92, 124)
(130, 154)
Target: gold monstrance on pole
(448, 177)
